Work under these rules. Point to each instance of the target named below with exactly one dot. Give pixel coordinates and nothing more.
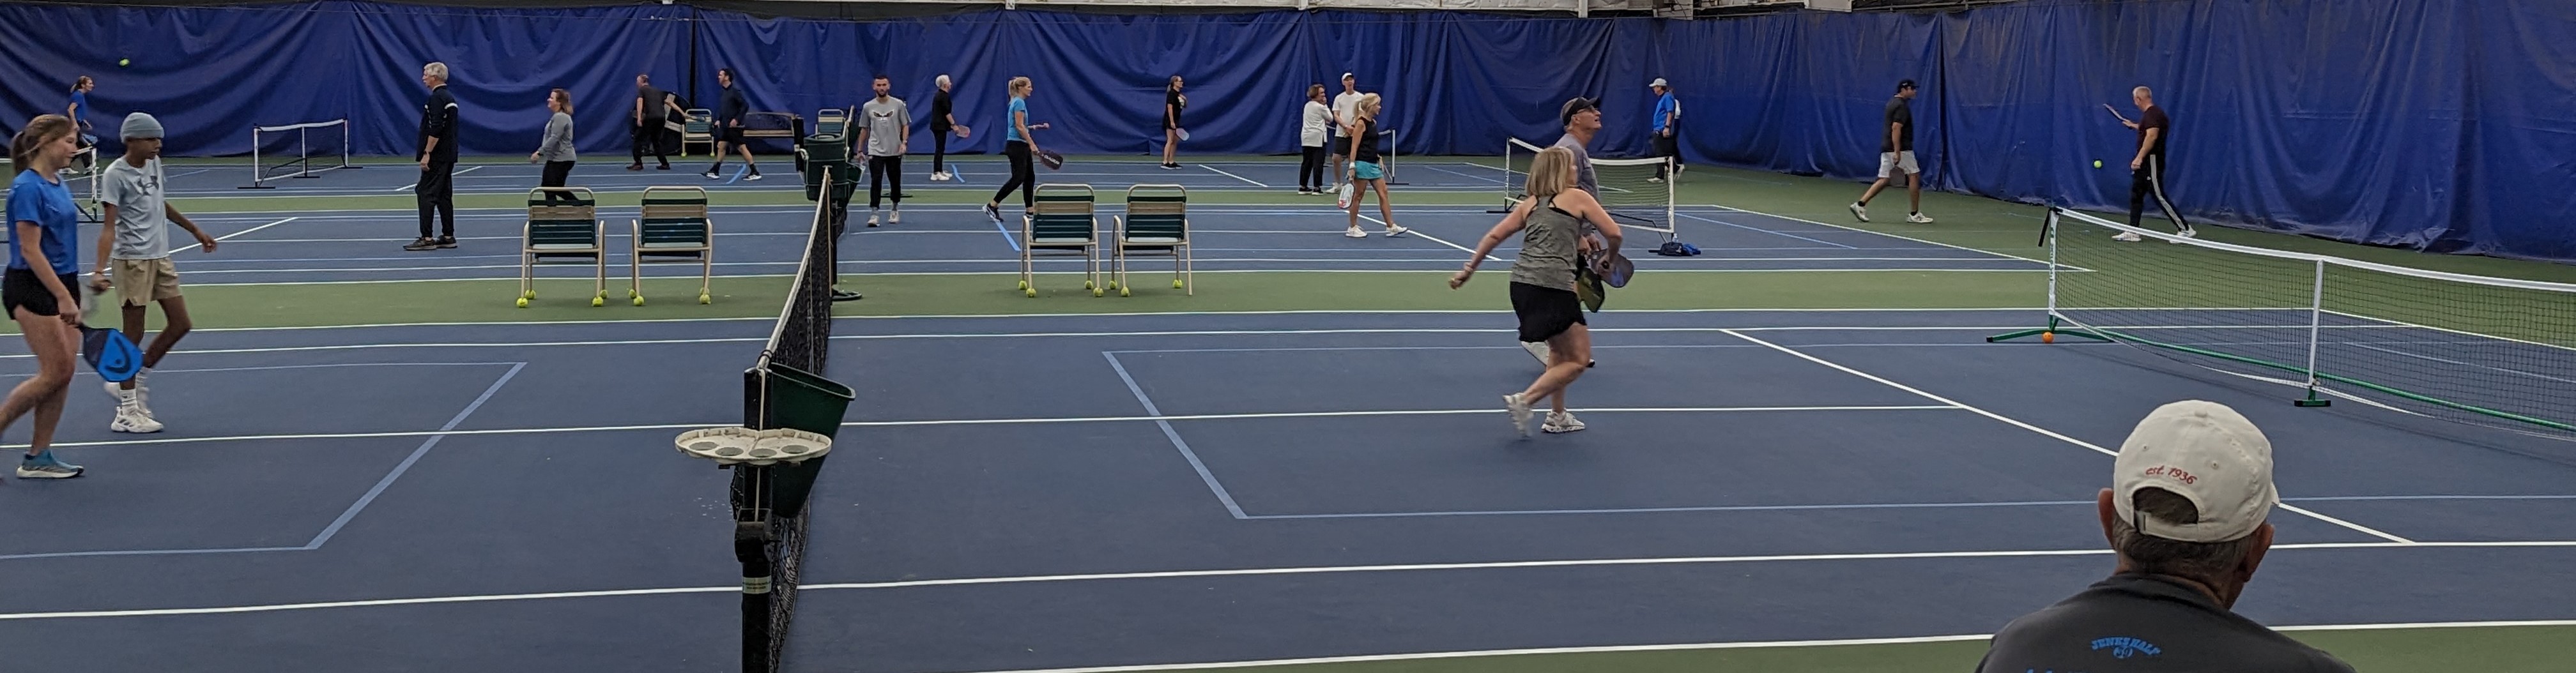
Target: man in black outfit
(649, 115)
(2147, 169)
(942, 122)
(436, 190)
(730, 109)
(2185, 513)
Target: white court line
(1435, 239)
(1881, 233)
(328, 191)
(1762, 230)
(1005, 335)
(1221, 171)
(1241, 572)
(976, 421)
(2033, 428)
(1183, 314)
(220, 239)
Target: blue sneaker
(45, 466)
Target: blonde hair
(1551, 173)
(435, 69)
(1369, 106)
(1020, 86)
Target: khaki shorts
(139, 282)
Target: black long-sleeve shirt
(731, 107)
(438, 120)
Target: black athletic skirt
(1545, 312)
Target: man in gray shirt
(1582, 119)
(885, 129)
(137, 240)
(2189, 493)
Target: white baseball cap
(1659, 82)
(2206, 453)
(1349, 76)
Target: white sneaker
(894, 217)
(1537, 349)
(872, 218)
(2127, 236)
(130, 418)
(1354, 232)
(1919, 218)
(1393, 231)
(1859, 211)
(1655, 180)
(1560, 423)
(1520, 409)
(2188, 233)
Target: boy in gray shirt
(885, 129)
(135, 243)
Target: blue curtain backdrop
(2430, 124)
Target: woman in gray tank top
(1550, 222)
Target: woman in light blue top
(44, 263)
(1020, 147)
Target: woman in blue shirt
(79, 112)
(1019, 146)
(44, 227)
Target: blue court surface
(1021, 492)
(365, 245)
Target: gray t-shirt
(1547, 247)
(1583, 176)
(142, 220)
(888, 120)
(557, 145)
(2141, 623)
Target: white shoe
(130, 418)
(1919, 218)
(872, 219)
(1560, 423)
(1393, 231)
(1655, 180)
(1537, 349)
(1520, 410)
(2127, 236)
(2187, 233)
(142, 395)
(1860, 211)
(894, 217)
(1354, 232)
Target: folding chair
(830, 122)
(674, 228)
(1157, 223)
(700, 129)
(563, 230)
(1062, 219)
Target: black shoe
(664, 167)
(993, 212)
(447, 241)
(425, 243)
(844, 295)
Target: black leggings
(556, 173)
(1024, 175)
(885, 170)
(1310, 169)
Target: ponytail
(44, 128)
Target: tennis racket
(107, 351)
